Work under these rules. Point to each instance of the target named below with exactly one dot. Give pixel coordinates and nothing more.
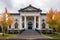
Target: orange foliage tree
(5, 20)
(53, 19)
(57, 19)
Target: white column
(34, 22)
(20, 23)
(25, 22)
(39, 23)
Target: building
(28, 18)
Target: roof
(19, 13)
(15, 13)
(30, 6)
(26, 9)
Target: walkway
(29, 34)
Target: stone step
(30, 32)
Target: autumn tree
(5, 20)
(50, 18)
(57, 19)
(53, 19)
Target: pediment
(30, 9)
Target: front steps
(29, 32)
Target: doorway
(30, 25)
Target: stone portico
(33, 19)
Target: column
(34, 22)
(20, 23)
(25, 22)
(39, 25)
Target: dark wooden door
(30, 25)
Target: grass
(53, 35)
(7, 35)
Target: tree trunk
(3, 32)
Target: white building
(28, 18)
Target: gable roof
(30, 6)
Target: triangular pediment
(30, 9)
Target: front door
(29, 25)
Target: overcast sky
(14, 5)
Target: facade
(28, 18)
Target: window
(16, 20)
(43, 20)
(43, 25)
(36, 25)
(23, 24)
(16, 25)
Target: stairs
(29, 32)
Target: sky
(14, 5)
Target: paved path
(29, 34)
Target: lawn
(7, 35)
(53, 35)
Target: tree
(5, 20)
(49, 18)
(53, 19)
(57, 19)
